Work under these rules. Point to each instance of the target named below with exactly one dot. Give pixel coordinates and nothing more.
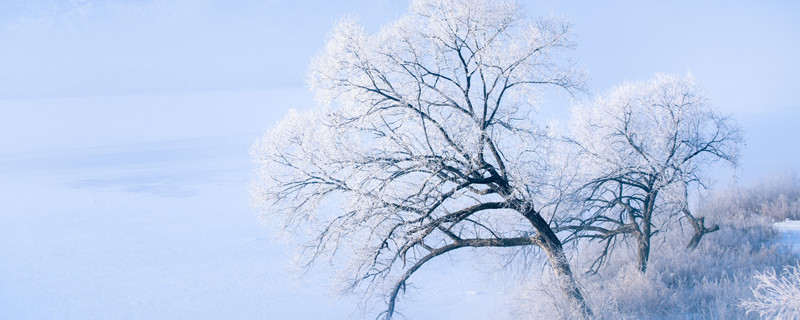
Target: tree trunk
(698, 235)
(643, 254)
(644, 234)
(700, 229)
(558, 260)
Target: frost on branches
(642, 146)
(425, 145)
(776, 296)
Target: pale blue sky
(125, 128)
(119, 54)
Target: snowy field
(120, 243)
(790, 234)
(144, 215)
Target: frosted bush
(708, 283)
(776, 296)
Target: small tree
(642, 146)
(426, 145)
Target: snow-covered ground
(175, 242)
(145, 215)
(790, 233)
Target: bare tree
(642, 146)
(425, 143)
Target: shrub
(776, 296)
(708, 283)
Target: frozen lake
(144, 215)
(790, 233)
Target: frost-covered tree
(641, 147)
(423, 144)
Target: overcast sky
(125, 128)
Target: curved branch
(474, 243)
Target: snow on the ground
(148, 218)
(790, 233)
(163, 231)
(175, 242)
